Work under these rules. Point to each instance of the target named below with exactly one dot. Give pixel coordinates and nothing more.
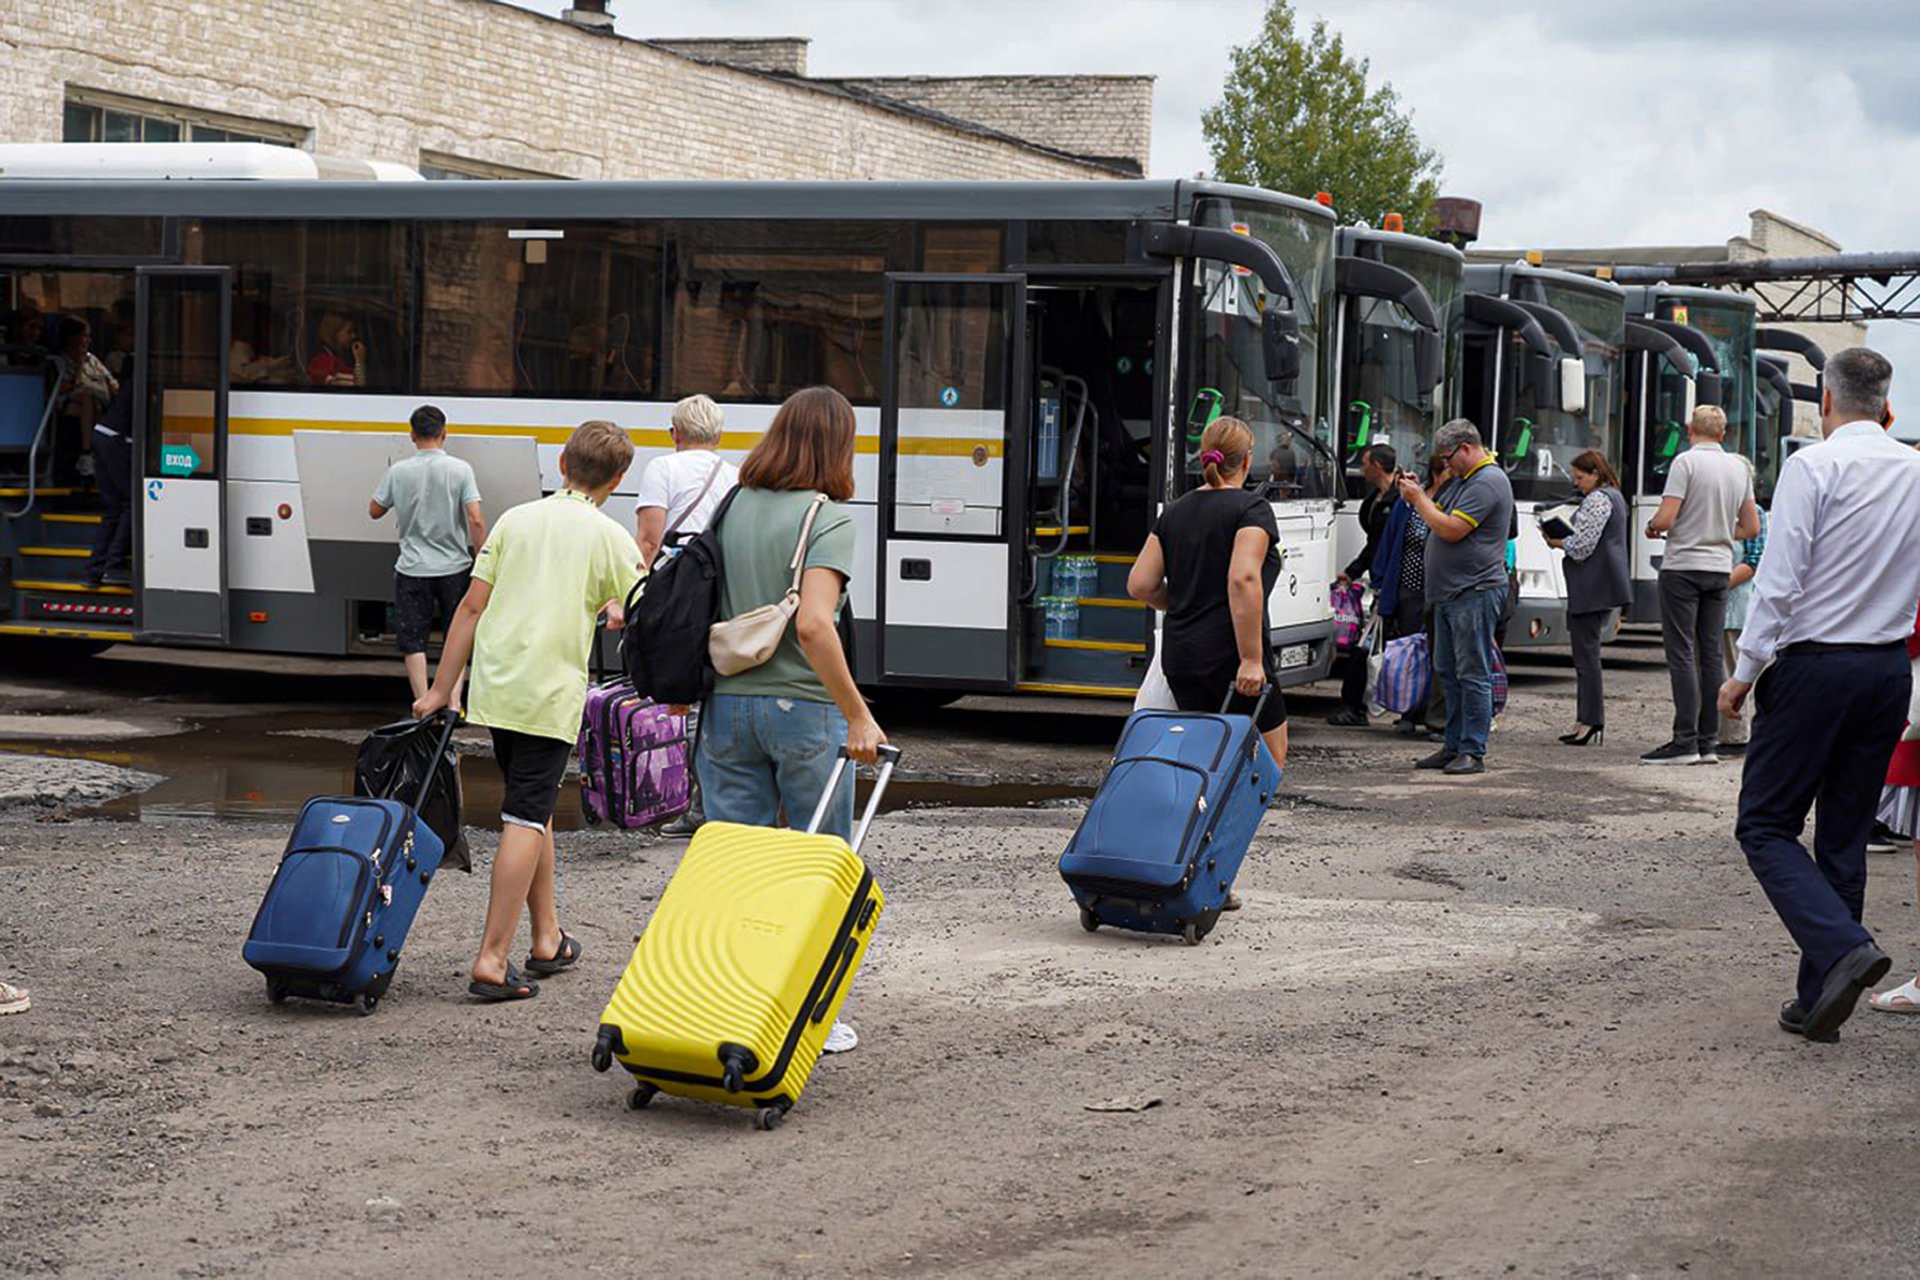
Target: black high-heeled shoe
(1596, 735)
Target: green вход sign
(178, 460)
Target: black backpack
(669, 612)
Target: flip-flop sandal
(1904, 998)
(562, 959)
(515, 987)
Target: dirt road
(1520, 1024)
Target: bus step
(71, 517)
(83, 588)
(1077, 690)
(19, 491)
(1099, 646)
(1109, 619)
(57, 553)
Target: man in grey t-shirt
(435, 499)
(1707, 507)
(1466, 566)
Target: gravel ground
(1516, 1024)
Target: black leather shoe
(1348, 718)
(1793, 1021)
(1840, 990)
(1464, 764)
(1438, 760)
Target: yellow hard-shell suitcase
(740, 973)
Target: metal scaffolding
(1837, 288)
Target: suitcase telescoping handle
(1233, 691)
(889, 757)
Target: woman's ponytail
(1225, 447)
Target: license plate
(1296, 655)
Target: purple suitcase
(633, 759)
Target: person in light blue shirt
(436, 502)
(1824, 655)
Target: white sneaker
(842, 1039)
(16, 1000)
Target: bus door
(180, 452)
(951, 520)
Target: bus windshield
(1293, 435)
(1539, 459)
(1666, 425)
(1730, 331)
(1384, 404)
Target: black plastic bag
(396, 758)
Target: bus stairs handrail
(1062, 507)
(59, 368)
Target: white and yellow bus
(1025, 360)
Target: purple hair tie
(1213, 457)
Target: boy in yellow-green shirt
(547, 571)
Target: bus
(1030, 365)
(1541, 365)
(1397, 326)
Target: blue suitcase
(1166, 832)
(354, 874)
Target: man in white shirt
(1833, 604)
(679, 492)
(678, 495)
(1707, 506)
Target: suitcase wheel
(767, 1118)
(1089, 921)
(1191, 933)
(368, 1004)
(642, 1094)
(276, 994)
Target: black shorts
(533, 767)
(420, 602)
(1204, 692)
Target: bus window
(951, 250)
(88, 237)
(1293, 436)
(759, 310)
(1076, 243)
(572, 311)
(320, 305)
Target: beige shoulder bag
(744, 642)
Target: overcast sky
(1576, 123)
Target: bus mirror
(1428, 357)
(1690, 399)
(1709, 388)
(1280, 333)
(1573, 385)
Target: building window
(438, 166)
(93, 116)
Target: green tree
(1297, 116)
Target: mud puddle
(265, 768)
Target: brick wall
(476, 79)
(1107, 116)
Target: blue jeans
(759, 755)
(1463, 664)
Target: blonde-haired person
(1210, 564)
(548, 570)
(680, 491)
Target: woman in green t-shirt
(769, 734)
